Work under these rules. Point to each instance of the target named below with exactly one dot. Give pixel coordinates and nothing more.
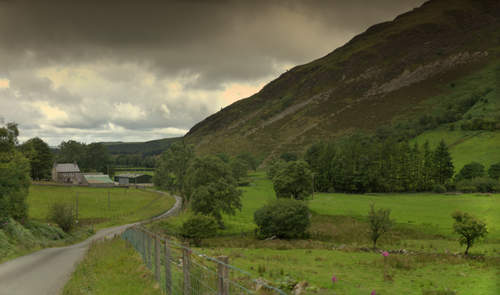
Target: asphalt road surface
(46, 272)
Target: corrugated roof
(96, 178)
(129, 175)
(67, 168)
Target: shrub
(439, 188)
(199, 227)
(62, 215)
(469, 228)
(484, 184)
(466, 186)
(479, 184)
(283, 218)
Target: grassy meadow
(125, 205)
(111, 267)
(338, 244)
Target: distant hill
(149, 148)
(431, 71)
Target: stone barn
(67, 173)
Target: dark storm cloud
(218, 39)
(124, 58)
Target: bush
(479, 184)
(439, 188)
(283, 218)
(62, 215)
(199, 227)
(485, 184)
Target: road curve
(46, 272)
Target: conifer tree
(443, 166)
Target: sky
(142, 70)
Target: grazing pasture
(339, 245)
(94, 207)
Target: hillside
(434, 69)
(148, 148)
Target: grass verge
(111, 267)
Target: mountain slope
(394, 72)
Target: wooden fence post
(157, 259)
(223, 274)
(186, 269)
(168, 272)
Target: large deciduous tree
(212, 189)
(14, 176)
(172, 168)
(294, 180)
(40, 157)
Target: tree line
(360, 163)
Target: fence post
(186, 269)
(148, 251)
(168, 272)
(157, 259)
(223, 275)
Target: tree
(380, 223)
(198, 227)
(288, 157)
(8, 137)
(251, 161)
(275, 166)
(494, 171)
(172, 168)
(470, 171)
(96, 158)
(211, 188)
(239, 168)
(293, 181)
(469, 228)
(71, 151)
(284, 219)
(14, 176)
(443, 166)
(40, 157)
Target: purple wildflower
(373, 292)
(385, 253)
(334, 279)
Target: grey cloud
(219, 39)
(218, 42)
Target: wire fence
(181, 270)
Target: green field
(466, 146)
(338, 243)
(125, 205)
(110, 267)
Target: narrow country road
(46, 272)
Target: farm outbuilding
(98, 180)
(67, 173)
(133, 178)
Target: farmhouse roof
(67, 168)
